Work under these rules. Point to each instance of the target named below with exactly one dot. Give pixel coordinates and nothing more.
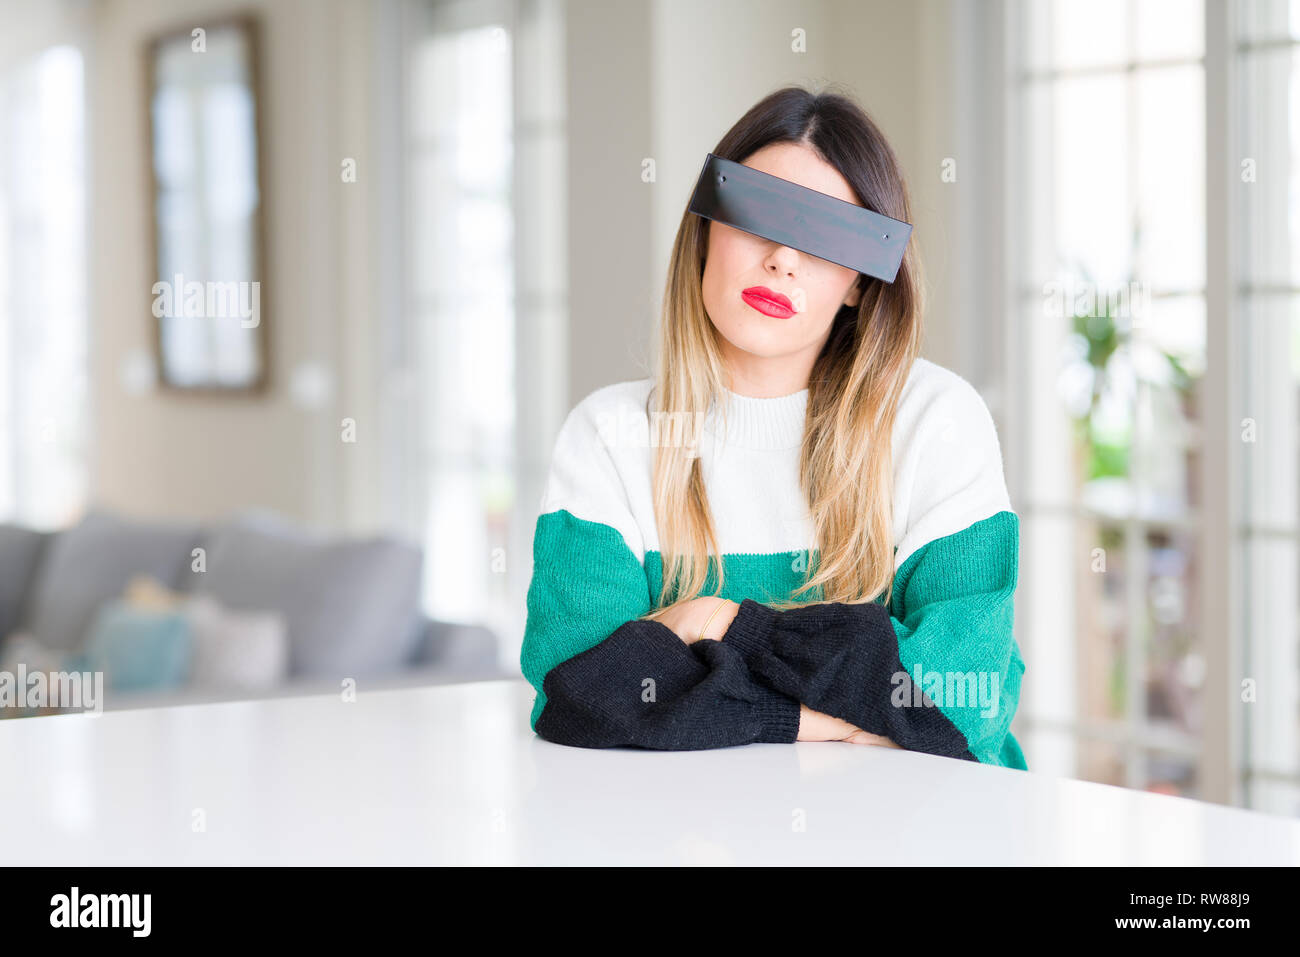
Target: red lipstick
(767, 302)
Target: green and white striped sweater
(946, 643)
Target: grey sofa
(351, 605)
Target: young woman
(826, 551)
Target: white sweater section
(947, 465)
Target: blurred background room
(431, 227)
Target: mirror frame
(249, 24)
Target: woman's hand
(688, 618)
(815, 726)
(866, 737)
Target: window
(1154, 150)
(474, 365)
(43, 355)
(1108, 105)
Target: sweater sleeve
(644, 687)
(603, 677)
(938, 670)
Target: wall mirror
(205, 147)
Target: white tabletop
(453, 775)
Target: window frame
(539, 302)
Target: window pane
(1101, 623)
(1080, 34)
(1173, 327)
(43, 331)
(1104, 402)
(1171, 177)
(1094, 226)
(1169, 28)
(1268, 431)
(1269, 19)
(1170, 774)
(1128, 380)
(538, 211)
(1161, 459)
(1051, 370)
(434, 249)
(463, 316)
(1103, 762)
(1175, 667)
(1088, 34)
(443, 348)
(468, 508)
(1049, 567)
(1270, 581)
(1269, 190)
(1052, 752)
(1274, 797)
(1039, 262)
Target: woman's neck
(760, 377)
(767, 384)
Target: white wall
(712, 62)
(190, 455)
(610, 100)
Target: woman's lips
(767, 302)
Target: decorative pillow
(137, 650)
(246, 650)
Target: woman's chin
(764, 343)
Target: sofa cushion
(89, 564)
(461, 648)
(137, 649)
(351, 605)
(20, 552)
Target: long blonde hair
(845, 460)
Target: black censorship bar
(799, 217)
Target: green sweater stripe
(586, 582)
(953, 614)
(951, 609)
(763, 578)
